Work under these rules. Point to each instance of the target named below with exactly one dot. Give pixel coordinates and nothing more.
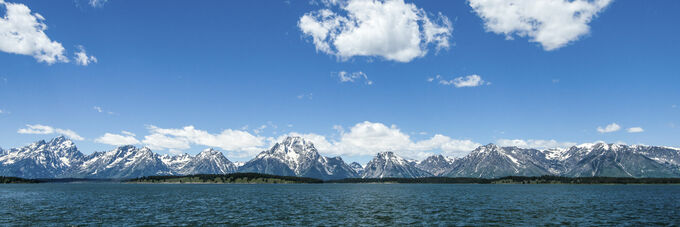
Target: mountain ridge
(295, 156)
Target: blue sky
(245, 73)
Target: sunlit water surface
(338, 204)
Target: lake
(338, 204)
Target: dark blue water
(338, 204)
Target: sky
(355, 77)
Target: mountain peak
(127, 147)
(485, 148)
(389, 164)
(491, 145)
(209, 152)
(293, 140)
(59, 139)
(387, 154)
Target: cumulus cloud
(369, 138)
(23, 32)
(183, 138)
(536, 144)
(81, 57)
(44, 130)
(463, 81)
(391, 29)
(126, 138)
(552, 23)
(635, 130)
(613, 127)
(352, 77)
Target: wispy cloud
(99, 109)
(125, 138)
(44, 130)
(97, 3)
(353, 77)
(463, 81)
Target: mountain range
(295, 156)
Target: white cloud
(552, 23)
(23, 32)
(613, 127)
(44, 130)
(97, 3)
(391, 29)
(635, 130)
(81, 57)
(464, 81)
(127, 138)
(536, 144)
(182, 138)
(99, 109)
(260, 129)
(369, 138)
(2, 111)
(352, 77)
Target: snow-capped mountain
(491, 161)
(618, 160)
(357, 168)
(585, 160)
(41, 159)
(176, 162)
(123, 162)
(388, 164)
(209, 161)
(238, 164)
(436, 164)
(295, 156)
(59, 158)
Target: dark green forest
(257, 178)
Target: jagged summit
(41, 159)
(296, 156)
(388, 164)
(358, 168)
(436, 164)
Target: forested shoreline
(257, 178)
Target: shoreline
(256, 178)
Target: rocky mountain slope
(295, 156)
(388, 164)
(436, 164)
